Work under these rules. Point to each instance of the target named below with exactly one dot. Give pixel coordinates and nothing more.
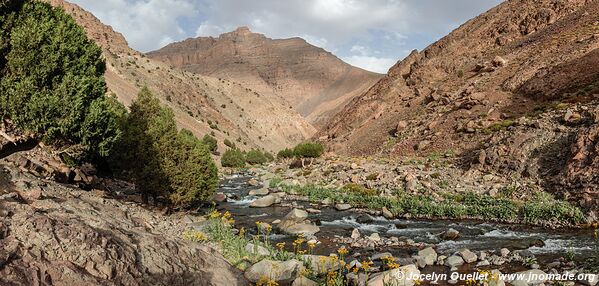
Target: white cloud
(374, 64)
(147, 24)
(386, 27)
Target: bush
(285, 154)
(308, 150)
(255, 157)
(210, 142)
(233, 158)
(229, 144)
(51, 78)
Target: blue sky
(371, 34)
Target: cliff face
(202, 104)
(315, 82)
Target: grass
(500, 126)
(538, 210)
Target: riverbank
(367, 237)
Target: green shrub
(269, 157)
(285, 154)
(51, 78)
(229, 144)
(210, 142)
(233, 158)
(308, 150)
(359, 189)
(255, 157)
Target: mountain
(315, 82)
(202, 104)
(513, 91)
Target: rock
(374, 237)
(342, 207)
(401, 126)
(320, 264)
(253, 182)
(355, 234)
(420, 262)
(380, 256)
(402, 276)
(303, 281)
(590, 280)
(364, 218)
(304, 228)
(257, 249)
(450, 234)
(259, 192)
(313, 211)
(283, 272)
(468, 256)
(265, 201)
(295, 216)
(422, 145)
(499, 62)
(528, 277)
(219, 197)
(387, 213)
(571, 116)
(429, 255)
(483, 263)
(31, 194)
(326, 201)
(504, 252)
(411, 183)
(454, 261)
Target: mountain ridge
(314, 81)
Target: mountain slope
(478, 75)
(315, 82)
(201, 104)
(513, 92)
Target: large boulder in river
(402, 276)
(303, 228)
(295, 216)
(429, 255)
(450, 234)
(283, 272)
(265, 201)
(259, 192)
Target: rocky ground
(58, 234)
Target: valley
(241, 159)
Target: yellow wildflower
(342, 250)
(281, 245)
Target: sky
(371, 34)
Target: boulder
(355, 234)
(374, 237)
(257, 249)
(429, 255)
(590, 280)
(283, 272)
(450, 234)
(402, 276)
(265, 201)
(259, 192)
(499, 62)
(219, 197)
(454, 261)
(387, 213)
(468, 256)
(302, 228)
(303, 281)
(380, 256)
(253, 182)
(295, 216)
(342, 207)
(320, 264)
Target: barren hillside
(202, 104)
(315, 82)
(510, 91)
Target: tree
(229, 144)
(255, 157)
(210, 142)
(52, 83)
(285, 154)
(233, 158)
(159, 159)
(308, 150)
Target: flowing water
(474, 235)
